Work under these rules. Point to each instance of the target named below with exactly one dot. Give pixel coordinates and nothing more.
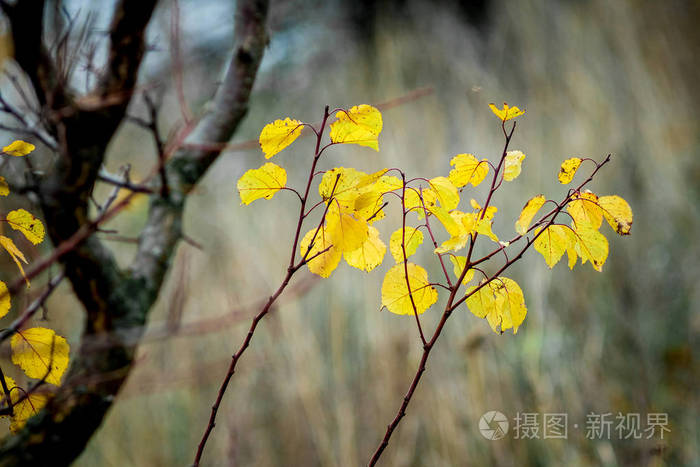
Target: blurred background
(327, 370)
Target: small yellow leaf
(591, 245)
(445, 192)
(25, 222)
(447, 220)
(568, 170)
(41, 353)
(16, 255)
(501, 302)
(395, 292)
(18, 148)
(322, 264)
(417, 200)
(552, 243)
(490, 211)
(4, 187)
(512, 165)
(27, 407)
(279, 134)
(369, 255)
(5, 302)
(359, 125)
(261, 183)
(345, 181)
(468, 169)
(528, 212)
(458, 263)
(617, 212)
(506, 113)
(347, 233)
(413, 239)
(584, 208)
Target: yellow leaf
(395, 292)
(506, 113)
(5, 302)
(18, 148)
(16, 255)
(324, 263)
(359, 125)
(584, 208)
(27, 407)
(512, 165)
(445, 192)
(345, 181)
(447, 220)
(568, 170)
(369, 255)
(278, 135)
(458, 263)
(490, 211)
(501, 302)
(483, 227)
(36, 350)
(261, 183)
(368, 205)
(552, 243)
(617, 212)
(413, 239)
(468, 169)
(591, 245)
(347, 233)
(4, 187)
(413, 202)
(25, 222)
(528, 212)
(464, 224)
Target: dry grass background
(327, 370)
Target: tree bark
(116, 301)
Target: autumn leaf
(342, 183)
(369, 255)
(458, 263)
(584, 208)
(413, 239)
(617, 213)
(261, 183)
(448, 220)
(36, 350)
(5, 302)
(279, 134)
(321, 264)
(16, 255)
(552, 243)
(395, 293)
(512, 165)
(468, 169)
(359, 125)
(500, 301)
(26, 408)
(506, 113)
(18, 148)
(417, 200)
(568, 170)
(591, 245)
(529, 210)
(445, 192)
(4, 187)
(347, 233)
(25, 222)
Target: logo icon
(493, 425)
